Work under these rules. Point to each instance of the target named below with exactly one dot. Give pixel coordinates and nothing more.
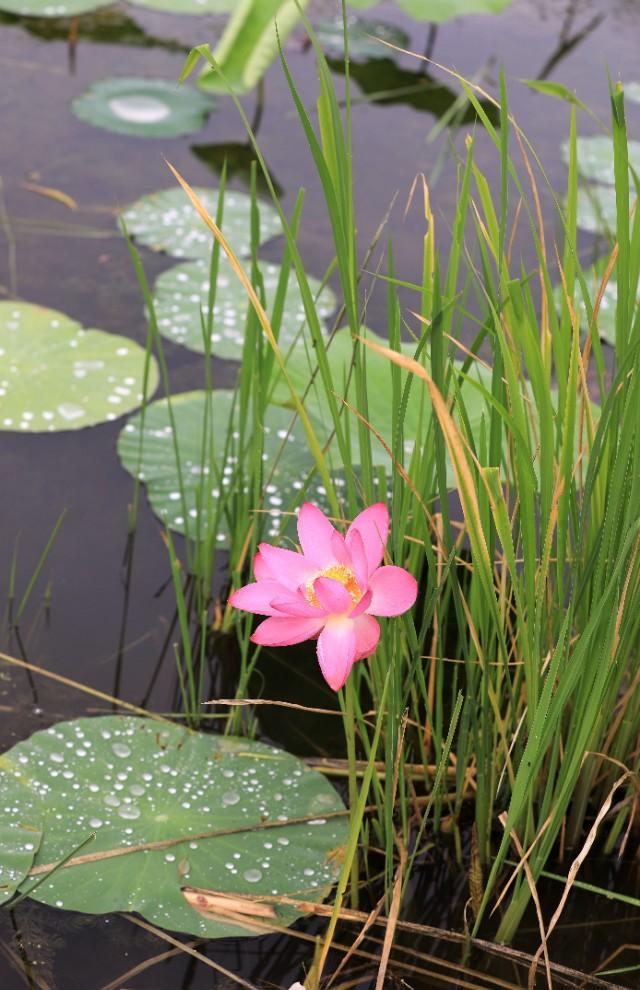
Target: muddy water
(98, 628)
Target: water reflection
(385, 82)
(110, 26)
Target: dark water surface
(98, 630)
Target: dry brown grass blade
(392, 921)
(208, 902)
(453, 439)
(77, 686)
(523, 860)
(360, 937)
(503, 819)
(239, 702)
(32, 981)
(568, 975)
(184, 947)
(579, 860)
(142, 967)
(476, 881)
(168, 843)
(50, 193)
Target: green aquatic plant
(197, 464)
(529, 576)
(364, 37)
(140, 107)
(22, 820)
(168, 809)
(181, 300)
(59, 376)
(438, 11)
(167, 221)
(250, 43)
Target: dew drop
(129, 811)
(252, 876)
(121, 750)
(96, 822)
(231, 797)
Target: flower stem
(348, 710)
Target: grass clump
(509, 452)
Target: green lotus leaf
(181, 295)
(380, 407)
(607, 311)
(55, 375)
(632, 91)
(21, 824)
(439, 11)
(364, 38)
(250, 43)
(172, 808)
(188, 6)
(143, 107)
(166, 221)
(595, 157)
(380, 410)
(188, 494)
(47, 8)
(597, 209)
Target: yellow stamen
(337, 572)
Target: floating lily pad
(173, 808)
(143, 107)
(54, 375)
(181, 297)
(156, 463)
(21, 823)
(250, 43)
(595, 157)
(166, 221)
(632, 91)
(439, 11)
(46, 8)
(380, 405)
(597, 209)
(188, 6)
(607, 311)
(364, 37)
(380, 411)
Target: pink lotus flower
(332, 590)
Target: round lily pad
(143, 107)
(364, 37)
(55, 375)
(21, 824)
(191, 506)
(632, 91)
(188, 6)
(170, 809)
(597, 209)
(439, 11)
(595, 157)
(47, 8)
(181, 298)
(166, 221)
(606, 313)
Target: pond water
(91, 619)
